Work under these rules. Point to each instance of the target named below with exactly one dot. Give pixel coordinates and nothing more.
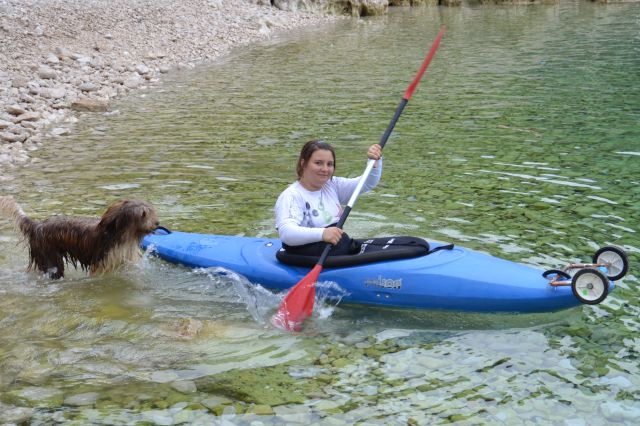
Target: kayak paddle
(298, 303)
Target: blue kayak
(453, 279)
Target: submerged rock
(15, 415)
(184, 386)
(81, 399)
(272, 386)
(36, 397)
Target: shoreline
(62, 57)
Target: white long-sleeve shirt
(302, 215)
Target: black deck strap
(369, 250)
(396, 241)
(444, 247)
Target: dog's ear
(113, 219)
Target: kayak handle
(161, 230)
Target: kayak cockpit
(370, 250)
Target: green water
(523, 141)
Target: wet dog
(97, 245)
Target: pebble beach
(59, 58)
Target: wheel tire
(557, 272)
(590, 286)
(614, 256)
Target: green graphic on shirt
(326, 215)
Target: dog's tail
(12, 210)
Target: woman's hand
(374, 152)
(332, 235)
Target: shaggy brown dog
(99, 245)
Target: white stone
(62, 53)
(15, 110)
(163, 376)
(618, 411)
(82, 60)
(19, 82)
(15, 415)
(88, 87)
(391, 334)
(142, 69)
(29, 125)
(619, 381)
(57, 93)
(27, 116)
(52, 59)
(60, 131)
(45, 72)
(293, 414)
(11, 137)
(159, 417)
(133, 82)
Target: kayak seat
(370, 250)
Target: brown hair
(307, 151)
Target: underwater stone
(261, 409)
(183, 417)
(158, 417)
(215, 401)
(81, 399)
(324, 378)
(341, 362)
(163, 376)
(36, 397)
(617, 412)
(371, 390)
(373, 353)
(323, 360)
(161, 404)
(184, 386)
(619, 381)
(293, 414)
(15, 415)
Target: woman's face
(318, 170)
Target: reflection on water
(522, 141)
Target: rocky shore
(59, 57)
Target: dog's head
(134, 217)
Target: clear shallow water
(522, 141)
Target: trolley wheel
(590, 286)
(615, 259)
(558, 274)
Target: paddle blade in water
(298, 304)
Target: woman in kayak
(308, 210)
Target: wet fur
(97, 245)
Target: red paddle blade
(298, 304)
(425, 64)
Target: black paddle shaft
(392, 124)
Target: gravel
(60, 57)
